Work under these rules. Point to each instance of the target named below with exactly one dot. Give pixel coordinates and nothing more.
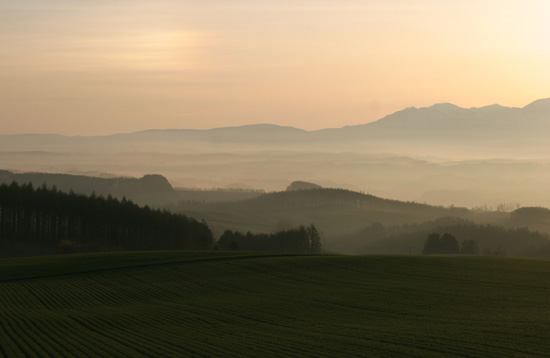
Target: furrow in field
(201, 332)
(70, 343)
(105, 336)
(99, 344)
(141, 342)
(263, 338)
(168, 337)
(295, 307)
(10, 347)
(27, 346)
(43, 338)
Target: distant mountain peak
(156, 182)
(302, 185)
(496, 105)
(263, 125)
(539, 105)
(256, 126)
(443, 106)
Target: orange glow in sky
(100, 67)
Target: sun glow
(312, 65)
(154, 51)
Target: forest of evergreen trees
(50, 217)
(151, 189)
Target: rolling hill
(219, 304)
(332, 211)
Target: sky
(100, 67)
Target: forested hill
(148, 190)
(51, 218)
(328, 197)
(333, 211)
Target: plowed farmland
(217, 304)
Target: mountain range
(442, 155)
(487, 131)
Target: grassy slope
(318, 306)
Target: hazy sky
(98, 67)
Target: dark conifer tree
(49, 217)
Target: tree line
(302, 239)
(411, 238)
(448, 244)
(50, 217)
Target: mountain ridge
(443, 107)
(444, 129)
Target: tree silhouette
(301, 239)
(440, 244)
(49, 217)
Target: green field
(226, 304)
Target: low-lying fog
(443, 155)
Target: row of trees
(47, 216)
(509, 240)
(302, 239)
(448, 244)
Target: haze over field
(322, 73)
(442, 154)
(357, 94)
(274, 178)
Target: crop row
(284, 306)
